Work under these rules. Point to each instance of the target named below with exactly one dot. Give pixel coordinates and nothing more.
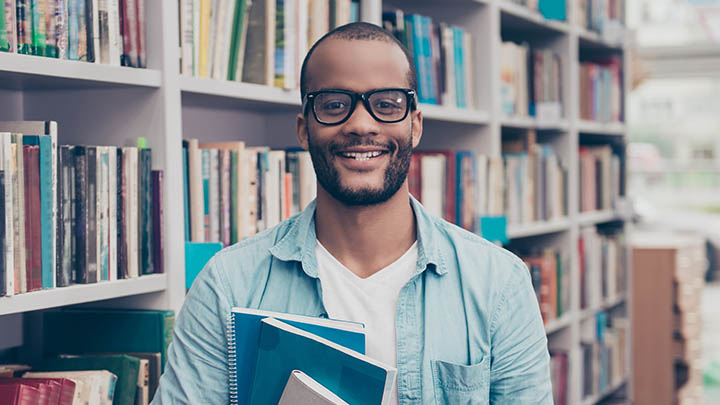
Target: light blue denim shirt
(468, 324)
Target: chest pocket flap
(461, 384)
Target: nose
(360, 122)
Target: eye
(334, 105)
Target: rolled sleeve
(520, 367)
(196, 371)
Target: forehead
(357, 65)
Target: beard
(327, 175)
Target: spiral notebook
(244, 334)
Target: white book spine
(20, 209)
(112, 213)
(212, 35)
(95, 21)
(224, 37)
(214, 193)
(114, 33)
(132, 212)
(6, 155)
(187, 37)
(196, 37)
(52, 131)
(291, 42)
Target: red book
(60, 391)
(19, 394)
(450, 184)
(33, 239)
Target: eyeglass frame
(365, 97)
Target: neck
(369, 238)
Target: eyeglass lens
(387, 105)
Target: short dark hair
(359, 31)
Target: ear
(417, 127)
(301, 131)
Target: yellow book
(204, 37)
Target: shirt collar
(298, 242)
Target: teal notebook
(244, 334)
(356, 378)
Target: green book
(82, 331)
(125, 367)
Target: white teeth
(362, 156)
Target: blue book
(553, 9)
(354, 377)
(197, 255)
(460, 84)
(244, 334)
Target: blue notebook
(354, 377)
(244, 334)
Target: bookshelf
(114, 105)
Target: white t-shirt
(371, 300)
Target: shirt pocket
(460, 384)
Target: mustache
(338, 146)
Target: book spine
(38, 27)
(112, 193)
(206, 193)
(47, 201)
(65, 217)
(186, 191)
(32, 215)
(3, 265)
(232, 359)
(141, 49)
(8, 31)
(82, 31)
(61, 20)
(102, 213)
(122, 268)
(130, 33)
(72, 30)
(24, 28)
(19, 215)
(94, 31)
(114, 39)
(91, 240)
(51, 38)
(225, 196)
(186, 37)
(214, 198)
(103, 31)
(158, 222)
(133, 258)
(234, 183)
(9, 207)
(146, 211)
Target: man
(457, 315)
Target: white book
(319, 19)
(275, 190)
(197, 216)
(302, 20)
(212, 35)
(291, 45)
(308, 181)
(196, 40)
(468, 70)
(301, 389)
(20, 205)
(223, 34)
(449, 98)
(112, 213)
(93, 387)
(104, 31)
(433, 168)
(114, 39)
(95, 23)
(187, 37)
(482, 179)
(6, 164)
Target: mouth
(361, 155)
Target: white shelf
(81, 293)
(593, 39)
(454, 114)
(602, 128)
(593, 399)
(517, 16)
(607, 304)
(533, 123)
(36, 72)
(597, 217)
(254, 95)
(538, 228)
(560, 323)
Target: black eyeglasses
(333, 107)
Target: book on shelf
(244, 327)
(110, 32)
(114, 330)
(235, 191)
(54, 390)
(91, 386)
(442, 54)
(530, 82)
(604, 350)
(601, 178)
(352, 376)
(550, 276)
(559, 366)
(603, 268)
(262, 42)
(536, 180)
(601, 89)
(301, 389)
(606, 17)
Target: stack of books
(601, 97)
(111, 32)
(442, 54)
(260, 41)
(281, 358)
(550, 275)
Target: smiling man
(457, 315)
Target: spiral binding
(232, 359)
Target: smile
(362, 155)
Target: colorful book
(282, 348)
(244, 327)
(8, 36)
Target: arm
(520, 363)
(196, 370)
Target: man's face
(361, 161)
